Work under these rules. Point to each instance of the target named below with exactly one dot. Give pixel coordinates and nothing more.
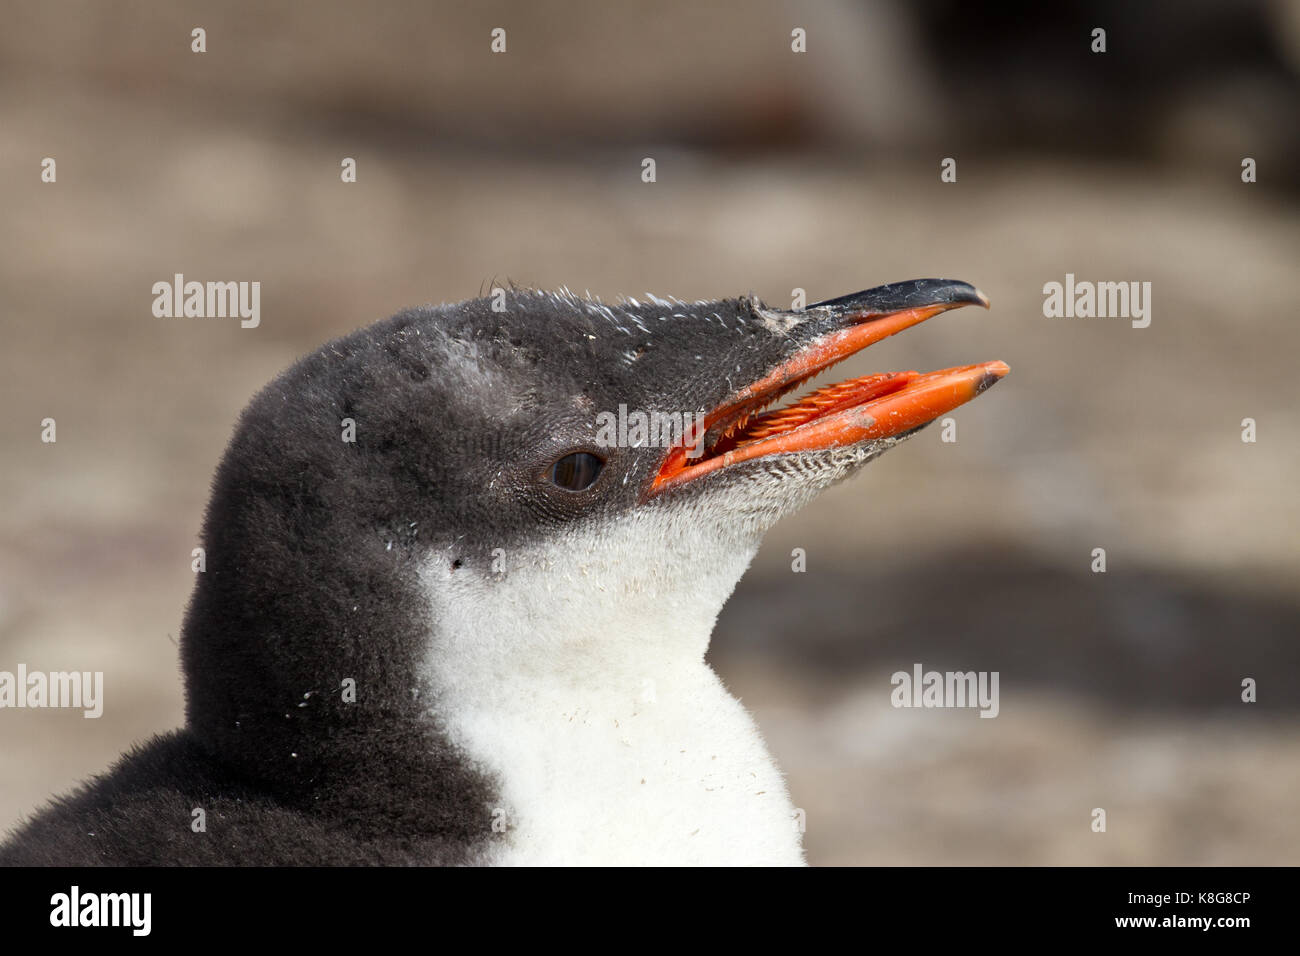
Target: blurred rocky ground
(775, 171)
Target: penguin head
(528, 480)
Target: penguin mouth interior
(873, 407)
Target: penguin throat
(627, 594)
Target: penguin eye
(576, 472)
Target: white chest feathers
(672, 771)
(576, 677)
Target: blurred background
(776, 170)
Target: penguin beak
(874, 407)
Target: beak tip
(954, 292)
(994, 372)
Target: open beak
(861, 409)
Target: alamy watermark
(638, 429)
(1102, 300)
(922, 688)
(128, 910)
(55, 689)
(208, 300)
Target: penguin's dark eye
(576, 472)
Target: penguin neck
(634, 598)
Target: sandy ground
(1119, 691)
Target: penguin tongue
(877, 406)
(823, 402)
